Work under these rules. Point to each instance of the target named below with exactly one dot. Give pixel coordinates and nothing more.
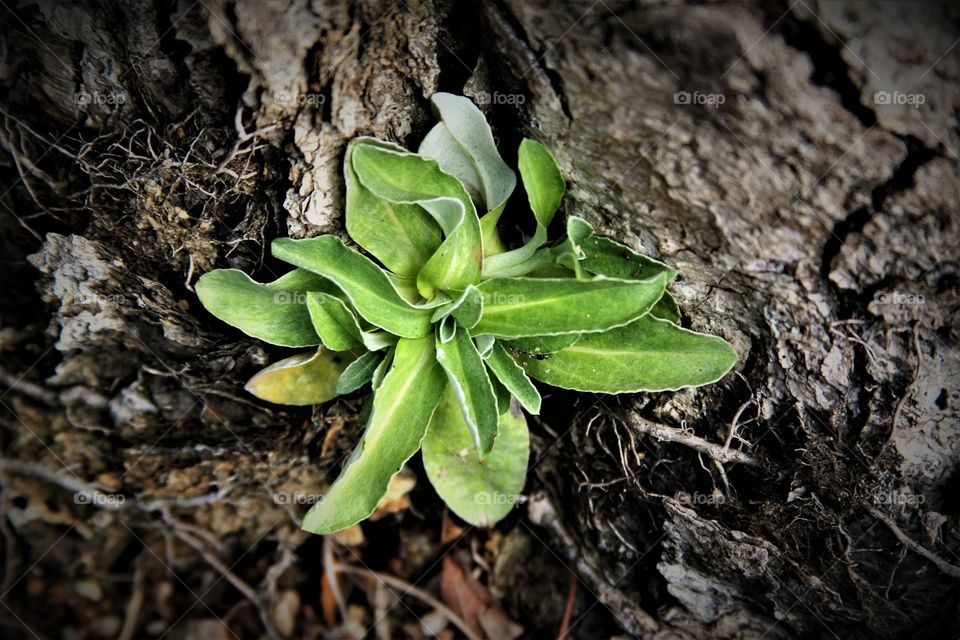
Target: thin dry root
(944, 566)
(720, 454)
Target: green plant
(452, 326)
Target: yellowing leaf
(303, 379)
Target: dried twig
(27, 388)
(329, 574)
(568, 609)
(134, 604)
(416, 592)
(906, 392)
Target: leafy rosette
(447, 326)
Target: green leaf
(541, 180)
(463, 145)
(541, 345)
(480, 490)
(503, 396)
(490, 235)
(468, 378)
(646, 355)
(585, 253)
(381, 371)
(333, 321)
(447, 329)
(484, 344)
(407, 178)
(303, 379)
(545, 187)
(337, 325)
(369, 289)
(666, 309)
(359, 372)
(401, 236)
(467, 309)
(515, 261)
(511, 375)
(402, 406)
(275, 312)
(603, 256)
(520, 307)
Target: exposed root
(719, 454)
(951, 570)
(99, 498)
(238, 583)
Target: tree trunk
(798, 164)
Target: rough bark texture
(815, 228)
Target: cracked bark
(814, 229)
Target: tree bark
(796, 162)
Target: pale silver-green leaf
(464, 146)
(648, 354)
(274, 312)
(484, 344)
(517, 261)
(511, 375)
(520, 307)
(469, 380)
(482, 491)
(402, 406)
(369, 289)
